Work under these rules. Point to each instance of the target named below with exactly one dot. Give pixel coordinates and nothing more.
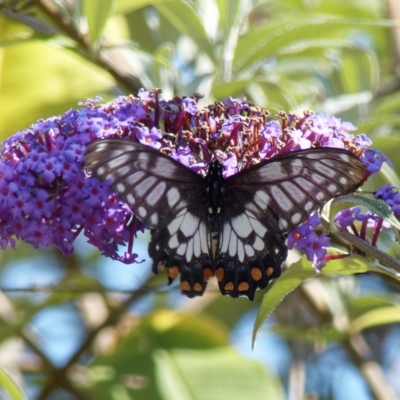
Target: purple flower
(391, 196)
(374, 159)
(149, 137)
(308, 242)
(53, 198)
(190, 105)
(230, 165)
(385, 192)
(346, 218)
(394, 203)
(184, 156)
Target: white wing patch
(226, 234)
(262, 199)
(173, 196)
(233, 242)
(318, 179)
(189, 235)
(173, 242)
(197, 244)
(329, 172)
(257, 226)
(189, 250)
(294, 190)
(204, 238)
(176, 223)
(241, 225)
(189, 224)
(155, 195)
(135, 177)
(242, 236)
(281, 199)
(118, 161)
(143, 187)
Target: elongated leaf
(212, 375)
(97, 13)
(376, 317)
(298, 273)
(187, 21)
(9, 386)
(128, 6)
(267, 42)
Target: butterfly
(233, 228)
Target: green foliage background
(333, 56)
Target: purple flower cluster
(47, 197)
(308, 242)
(347, 218)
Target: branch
(112, 61)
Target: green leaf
(344, 102)
(269, 41)
(228, 10)
(297, 273)
(346, 266)
(129, 6)
(39, 81)
(185, 19)
(376, 317)
(212, 375)
(10, 387)
(357, 306)
(134, 355)
(271, 94)
(356, 69)
(286, 283)
(310, 334)
(97, 14)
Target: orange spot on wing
(173, 272)
(197, 287)
(207, 274)
(243, 286)
(185, 286)
(219, 273)
(256, 274)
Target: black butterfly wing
(166, 197)
(265, 201)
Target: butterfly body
(232, 227)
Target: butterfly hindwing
(249, 253)
(183, 247)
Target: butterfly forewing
(285, 190)
(154, 186)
